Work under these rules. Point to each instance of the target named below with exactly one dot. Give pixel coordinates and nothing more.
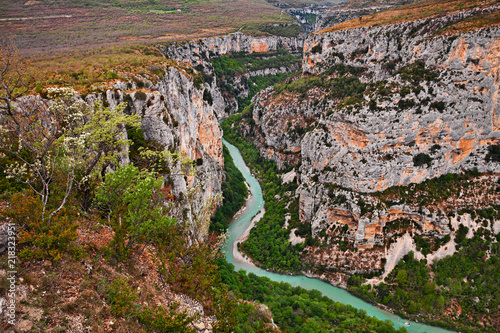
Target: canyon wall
(400, 125)
(176, 113)
(199, 51)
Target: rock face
(374, 147)
(199, 52)
(401, 125)
(306, 14)
(176, 113)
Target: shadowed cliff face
(176, 113)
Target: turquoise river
(241, 223)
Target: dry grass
(84, 70)
(62, 25)
(422, 10)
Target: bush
(207, 96)
(140, 95)
(438, 106)
(317, 49)
(121, 297)
(49, 240)
(421, 159)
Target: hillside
(46, 26)
(352, 9)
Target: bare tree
(15, 77)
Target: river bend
(241, 223)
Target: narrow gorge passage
(252, 207)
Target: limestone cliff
(373, 145)
(375, 121)
(176, 113)
(201, 52)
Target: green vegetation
(417, 72)
(258, 83)
(238, 64)
(433, 190)
(341, 82)
(468, 279)
(285, 30)
(234, 192)
(421, 159)
(268, 242)
(75, 211)
(317, 49)
(296, 309)
(493, 153)
(311, 18)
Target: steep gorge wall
(358, 143)
(407, 126)
(352, 9)
(199, 52)
(175, 114)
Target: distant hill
(44, 26)
(355, 8)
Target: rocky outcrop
(199, 52)
(307, 15)
(177, 113)
(375, 147)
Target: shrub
(49, 240)
(438, 106)
(317, 49)
(121, 297)
(493, 153)
(207, 96)
(140, 95)
(111, 75)
(160, 319)
(421, 159)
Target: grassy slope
(92, 22)
(425, 9)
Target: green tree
(135, 207)
(102, 142)
(402, 277)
